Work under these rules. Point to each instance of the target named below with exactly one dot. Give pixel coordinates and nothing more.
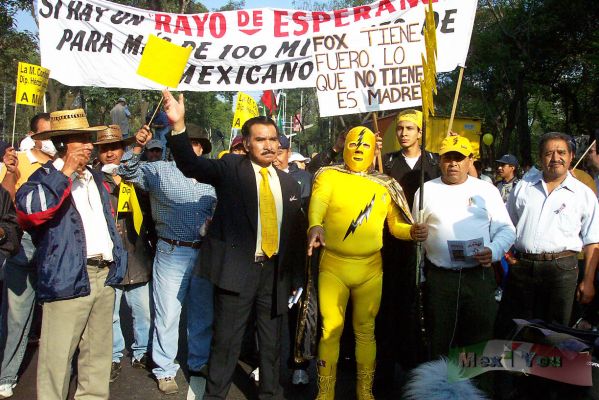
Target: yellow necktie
(268, 216)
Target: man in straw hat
(181, 208)
(66, 209)
(140, 254)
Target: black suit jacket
(230, 245)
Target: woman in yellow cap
(348, 208)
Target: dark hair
(556, 136)
(260, 120)
(36, 118)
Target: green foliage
(532, 68)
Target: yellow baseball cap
(458, 144)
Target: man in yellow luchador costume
(348, 208)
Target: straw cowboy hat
(113, 134)
(65, 123)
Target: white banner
(380, 67)
(99, 43)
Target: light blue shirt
(180, 205)
(565, 219)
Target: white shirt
(411, 161)
(467, 211)
(89, 205)
(275, 188)
(565, 219)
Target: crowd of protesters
(227, 237)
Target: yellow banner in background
(246, 108)
(32, 81)
(128, 203)
(163, 62)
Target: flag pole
(14, 122)
(584, 154)
(379, 157)
(455, 100)
(156, 110)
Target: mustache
(266, 152)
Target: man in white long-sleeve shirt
(469, 228)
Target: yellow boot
(327, 376)
(365, 376)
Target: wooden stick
(455, 100)
(155, 111)
(14, 123)
(379, 157)
(583, 156)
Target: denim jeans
(138, 299)
(171, 283)
(18, 303)
(200, 313)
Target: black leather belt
(98, 262)
(546, 256)
(193, 245)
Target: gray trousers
(540, 290)
(84, 323)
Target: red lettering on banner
(319, 17)
(279, 14)
(163, 22)
(299, 19)
(361, 12)
(218, 25)
(385, 5)
(339, 15)
(414, 3)
(244, 19)
(182, 24)
(200, 22)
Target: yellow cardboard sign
(246, 108)
(128, 203)
(32, 81)
(163, 62)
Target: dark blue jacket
(46, 209)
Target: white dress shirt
(89, 205)
(565, 219)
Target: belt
(263, 258)
(546, 256)
(98, 262)
(193, 245)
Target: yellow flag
(163, 62)
(246, 108)
(32, 81)
(128, 203)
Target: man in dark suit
(253, 248)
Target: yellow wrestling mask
(358, 152)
